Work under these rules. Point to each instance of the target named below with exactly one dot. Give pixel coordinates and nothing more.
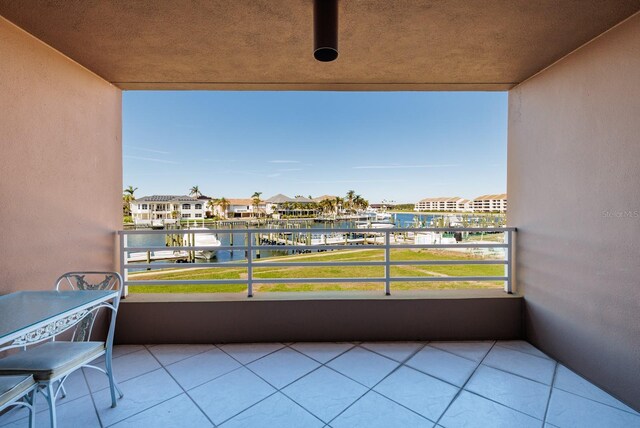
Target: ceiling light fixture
(325, 30)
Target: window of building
(144, 206)
(186, 215)
(198, 215)
(186, 206)
(198, 206)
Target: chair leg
(113, 387)
(63, 392)
(31, 399)
(51, 399)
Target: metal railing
(302, 240)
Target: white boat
(374, 224)
(203, 240)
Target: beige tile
(322, 351)
(363, 366)
(443, 365)
(283, 367)
(248, 352)
(196, 370)
(472, 411)
(568, 410)
(375, 411)
(325, 393)
(419, 392)
(230, 394)
(275, 411)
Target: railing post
(387, 266)
(123, 260)
(249, 264)
(508, 255)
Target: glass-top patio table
(31, 316)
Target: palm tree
(195, 191)
(130, 191)
(127, 198)
(256, 202)
(359, 202)
(351, 194)
(223, 203)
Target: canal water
(401, 220)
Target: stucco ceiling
(267, 44)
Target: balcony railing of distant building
(145, 257)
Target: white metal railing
(301, 239)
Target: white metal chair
(52, 362)
(19, 391)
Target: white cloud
(144, 149)
(149, 159)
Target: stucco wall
(60, 164)
(574, 194)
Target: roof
(489, 197)
(167, 198)
(242, 201)
(324, 197)
(445, 199)
(267, 44)
(279, 199)
(302, 200)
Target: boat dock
(156, 256)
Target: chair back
(90, 281)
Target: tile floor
(397, 384)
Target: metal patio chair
(52, 362)
(19, 391)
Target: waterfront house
(572, 73)
(160, 207)
(240, 208)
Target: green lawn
(230, 272)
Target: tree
(223, 203)
(351, 194)
(195, 191)
(256, 202)
(360, 203)
(127, 198)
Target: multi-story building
(241, 208)
(160, 207)
(455, 203)
(490, 203)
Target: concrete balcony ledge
(318, 295)
(339, 316)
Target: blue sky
(395, 146)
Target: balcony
(572, 70)
(370, 384)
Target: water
(402, 220)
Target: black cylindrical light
(325, 30)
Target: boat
(375, 223)
(203, 240)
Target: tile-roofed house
(324, 197)
(279, 199)
(241, 207)
(164, 207)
